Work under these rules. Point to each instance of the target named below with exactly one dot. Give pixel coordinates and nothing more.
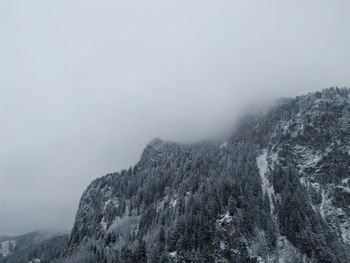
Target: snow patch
(6, 247)
(262, 163)
(345, 181)
(173, 201)
(344, 189)
(308, 158)
(114, 202)
(223, 145)
(225, 218)
(327, 209)
(103, 224)
(160, 205)
(345, 232)
(303, 181)
(222, 245)
(173, 254)
(260, 260)
(287, 253)
(125, 224)
(323, 204)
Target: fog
(85, 85)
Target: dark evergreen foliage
(210, 202)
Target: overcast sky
(84, 85)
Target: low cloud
(84, 85)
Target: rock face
(307, 143)
(277, 191)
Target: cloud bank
(84, 85)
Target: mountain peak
(278, 191)
(154, 142)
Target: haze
(84, 85)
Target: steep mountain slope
(277, 191)
(174, 194)
(310, 137)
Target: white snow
(5, 247)
(273, 158)
(222, 245)
(327, 209)
(223, 145)
(125, 224)
(286, 252)
(323, 204)
(103, 224)
(173, 254)
(262, 163)
(114, 202)
(344, 189)
(316, 186)
(225, 218)
(160, 205)
(345, 181)
(303, 181)
(173, 201)
(345, 232)
(260, 260)
(308, 157)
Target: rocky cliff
(278, 190)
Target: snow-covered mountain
(27, 247)
(306, 158)
(6, 247)
(278, 190)
(9, 245)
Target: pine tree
(140, 253)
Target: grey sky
(84, 85)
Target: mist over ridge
(85, 85)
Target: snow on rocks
(225, 218)
(173, 201)
(262, 163)
(345, 181)
(225, 222)
(335, 213)
(223, 145)
(6, 247)
(308, 158)
(167, 200)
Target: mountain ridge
(292, 133)
(277, 191)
